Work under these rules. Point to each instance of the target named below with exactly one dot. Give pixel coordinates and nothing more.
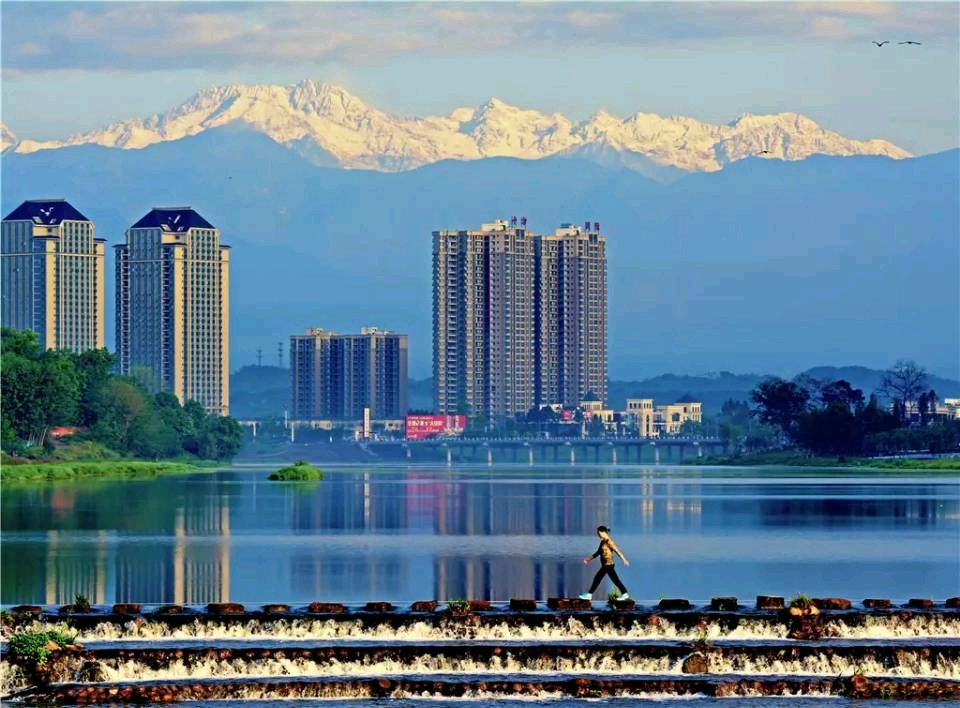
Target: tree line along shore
(68, 416)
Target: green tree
(832, 430)
(22, 342)
(60, 387)
(780, 403)
(175, 416)
(151, 437)
(595, 428)
(40, 389)
(94, 367)
(221, 438)
(120, 402)
(840, 392)
(22, 402)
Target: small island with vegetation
(299, 471)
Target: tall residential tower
(335, 376)
(53, 275)
(173, 297)
(572, 315)
(483, 320)
(518, 319)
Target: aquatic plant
(702, 642)
(801, 601)
(81, 603)
(458, 607)
(299, 471)
(35, 647)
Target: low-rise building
(952, 406)
(651, 421)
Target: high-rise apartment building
(518, 318)
(483, 320)
(571, 314)
(53, 275)
(336, 376)
(173, 298)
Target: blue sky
(103, 62)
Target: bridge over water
(550, 450)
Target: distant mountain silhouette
(765, 266)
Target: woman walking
(606, 550)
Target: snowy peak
(324, 122)
(7, 138)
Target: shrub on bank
(35, 647)
(299, 471)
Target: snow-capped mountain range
(329, 126)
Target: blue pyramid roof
(45, 211)
(173, 219)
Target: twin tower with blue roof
(172, 293)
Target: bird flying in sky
(880, 44)
(908, 42)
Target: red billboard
(421, 427)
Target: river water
(411, 533)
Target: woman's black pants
(612, 572)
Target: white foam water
(587, 661)
(12, 678)
(873, 628)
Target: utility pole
(280, 353)
(259, 356)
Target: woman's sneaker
(586, 596)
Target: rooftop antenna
(259, 356)
(586, 225)
(513, 221)
(523, 221)
(280, 353)
(596, 226)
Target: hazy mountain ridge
(766, 265)
(329, 126)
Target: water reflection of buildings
(195, 570)
(540, 522)
(330, 565)
(377, 534)
(192, 569)
(69, 574)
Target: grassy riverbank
(100, 469)
(794, 459)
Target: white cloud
(160, 36)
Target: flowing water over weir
(490, 653)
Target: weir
(488, 651)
